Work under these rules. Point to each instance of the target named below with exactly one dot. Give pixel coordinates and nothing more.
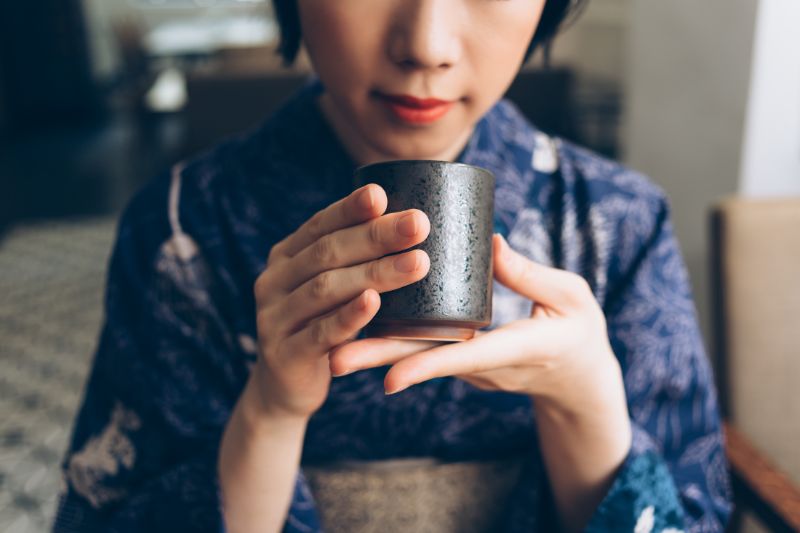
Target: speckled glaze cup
(455, 298)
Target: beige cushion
(418, 495)
(758, 277)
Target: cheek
(340, 45)
(497, 45)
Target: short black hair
(553, 16)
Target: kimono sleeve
(166, 374)
(675, 476)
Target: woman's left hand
(560, 355)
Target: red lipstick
(415, 110)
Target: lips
(415, 110)
(419, 103)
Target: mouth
(413, 110)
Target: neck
(361, 152)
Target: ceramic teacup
(455, 298)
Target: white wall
(771, 154)
(686, 90)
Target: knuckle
(374, 233)
(318, 333)
(258, 286)
(324, 252)
(262, 286)
(321, 285)
(373, 272)
(314, 226)
(261, 291)
(275, 252)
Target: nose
(426, 35)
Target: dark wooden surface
(759, 485)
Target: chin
(413, 144)
(397, 152)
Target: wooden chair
(755, 272)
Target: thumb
(550, 287)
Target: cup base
(423, 331)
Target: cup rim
(411, 162)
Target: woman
(240, 282)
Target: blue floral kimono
(179, 336)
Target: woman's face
(381, 59)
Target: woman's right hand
(321, 285)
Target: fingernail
(340, 374)
(394, 391)
(365, 199)
(407, 225)
(503, 246)
(406, 263)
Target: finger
(479, 380)
(378, 351)
(524, 342)
(332, 288)
(326, 332)
(557, 289)
(354, 245)
(373, 352)
(362, 204)
(539, 311)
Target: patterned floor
(51, 288)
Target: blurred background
(96, 96)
